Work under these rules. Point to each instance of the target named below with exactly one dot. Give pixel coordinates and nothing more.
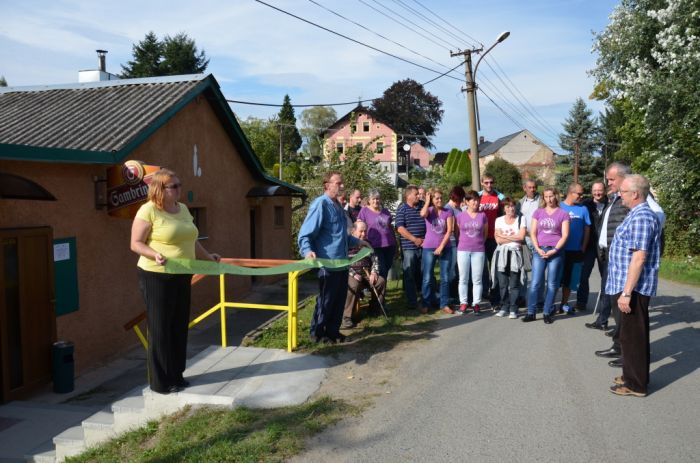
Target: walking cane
(377, 295)
(595, 309)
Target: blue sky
(259, 54)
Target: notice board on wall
(65, 267)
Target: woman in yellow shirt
(164, 229)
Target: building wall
(420, 154)
(108, 288)
(378, 132)
(532, 158)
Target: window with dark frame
(380, 147)
(339, 147)
(358, 146)
(199, 214)
(365, 126)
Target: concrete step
(69, 443)
(44, 453)
(98, 428)
(129, 413)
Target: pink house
(360, 128)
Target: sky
(260, 54)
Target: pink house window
(365, 126)
(380, 147)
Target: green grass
(373, 332)
(219, 435)
(681, 270)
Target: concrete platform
(229, 377)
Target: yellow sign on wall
(127, 188)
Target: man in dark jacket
(613, 215)
(595, 205)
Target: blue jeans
(429, 296)
(411, 275)
(470, 264)
(554, 266)
(524, 288)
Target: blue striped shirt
(409, 218)
(640, 231)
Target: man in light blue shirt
(324, 234)
(579, 233)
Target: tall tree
(264, 138)
(147, 54)
(410, 111)
(180, 56)
(580, 137)
(171, 56)
(291, 140)
(649, 59)
(3, 82)
(313, 123)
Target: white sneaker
(502, 313)
(513, 315)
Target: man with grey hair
(633, 271)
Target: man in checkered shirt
(632, 279)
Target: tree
(458, 169)
(171, 56)
(3, 82)
(507, 176)
(580, 137)
(649, 63)
(291, 140)
(411, 111)
(314, 121)
(263, 136)
(180, 56)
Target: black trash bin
(62, 366)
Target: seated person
(362, 274)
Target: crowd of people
(494, 251)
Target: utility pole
(471, 110)
(281, 128)
(470, 77)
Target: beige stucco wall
(108, 288)
(529, 155)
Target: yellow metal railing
(291, 307)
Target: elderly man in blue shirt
(324, 234)
(632, 279)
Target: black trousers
(167, 299)
(328, 314)
(634, 342)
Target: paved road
(490, 389)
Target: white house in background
(533, 158)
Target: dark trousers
(328, 314)
(634, 342)
(412, 276)
(509, 283)
(589, 260)
(385, 256)
(491, 286)
(167, 299)
(605, 305)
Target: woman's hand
(160, 259)
(542, 253)
(215, 257)
(551, 252)
(438, 250)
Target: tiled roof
(96, 116)
(498, 144)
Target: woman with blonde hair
(164, 229)
(439, 222)
(549, 231)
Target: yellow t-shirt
(173, 235)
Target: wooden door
(27, 319)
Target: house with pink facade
(360, 128)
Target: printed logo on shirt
(439, 226)
(488, 206)
(547, 226)
(471, 228)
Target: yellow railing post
(290, 309)
(141, 337)
(222, 308)
(295, 309)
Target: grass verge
(222, 435)
(681, 270)
(373, 332)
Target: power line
(448, 23)
(436, 25)
(351, 39)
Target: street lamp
(471, 102)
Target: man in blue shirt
(324, 234)
(633, 275)
(579, 233)
(411, 227)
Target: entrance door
(27, 319)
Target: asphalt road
(490, 389)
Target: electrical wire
(449, 24)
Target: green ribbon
(206, 267)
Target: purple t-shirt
(435, 228)
(471, 232)
(380, 233)
(549, 226)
